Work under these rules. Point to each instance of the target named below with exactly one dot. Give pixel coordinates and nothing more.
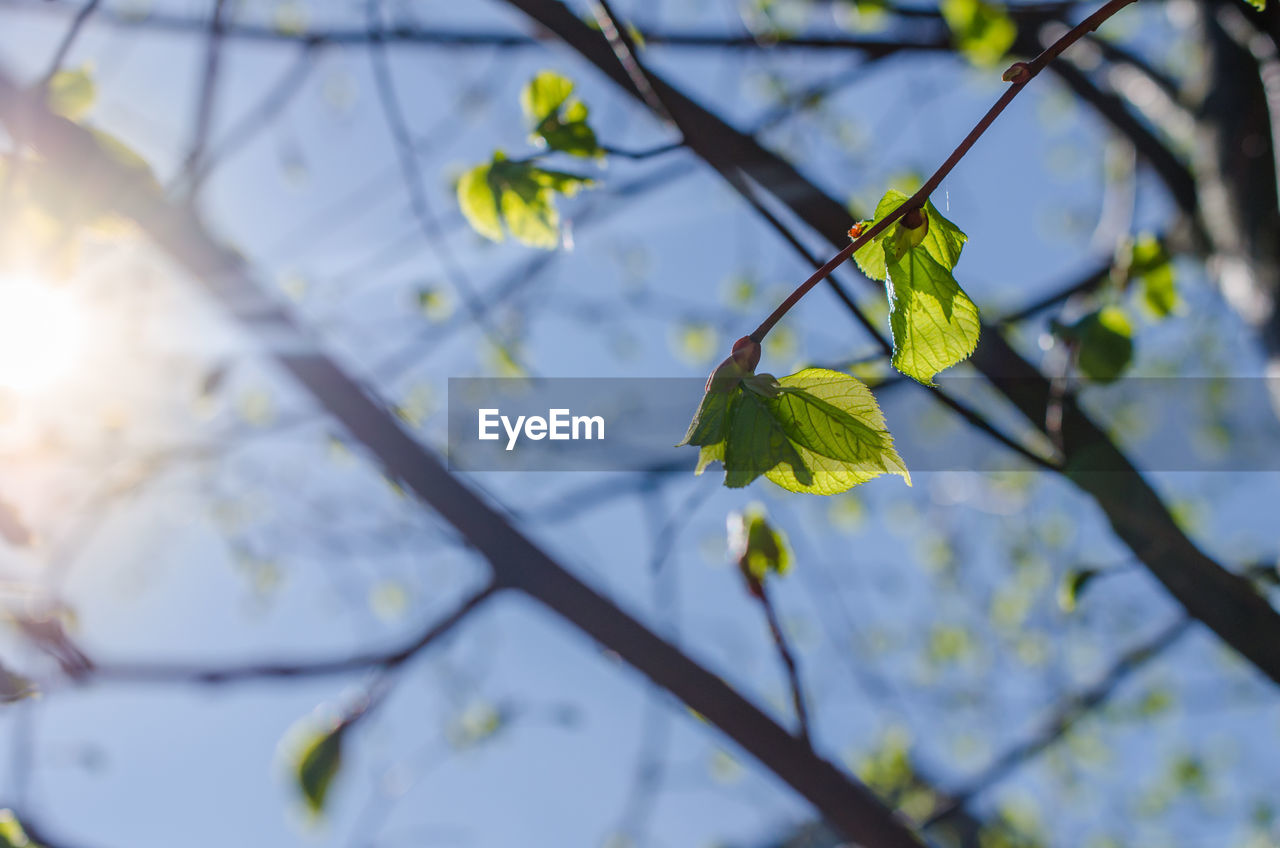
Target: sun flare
(41, 333)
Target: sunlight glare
(41, 332)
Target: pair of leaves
(934, 323)
(815, 431)
(756, 545)
(558, 118)
(982, 31)
(519, 195)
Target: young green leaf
(479, 203)
(518, 194)
(982, 31)
(559, 121)
(934, 323)
(757, 546)
(319, 759)
(816, 431)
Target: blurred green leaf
(559, 120)
(12, 834)
(1073, 585)
(318, 762)
(518, 194)
(71, 93)
(757, 546)
(982, 31)
(1150, 264)
(1103, 341)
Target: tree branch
(516, 561)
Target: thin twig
(69, 40)
(383, 660)
(788, 662)
(202, 125)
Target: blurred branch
(169, 23)
(163, 672)
(259, 117)
(415, 185)
(69, 39)
(788, 662)
(202, 123)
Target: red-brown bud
(746, 352)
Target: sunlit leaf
(816, 431)
(934, 323)
(518, 194)
(559, 121)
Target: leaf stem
(1020, 75)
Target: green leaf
(318, 763)
(71, 93)
(12, 834)
(1104, 343)
(982, 31)
(816, 431)
(479, 203)
(1073, 585)
(518, 194)
(934, 323)
(756, 545)
(1150, 264)
(559, 121)
(1260, 5)
(757, 443)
